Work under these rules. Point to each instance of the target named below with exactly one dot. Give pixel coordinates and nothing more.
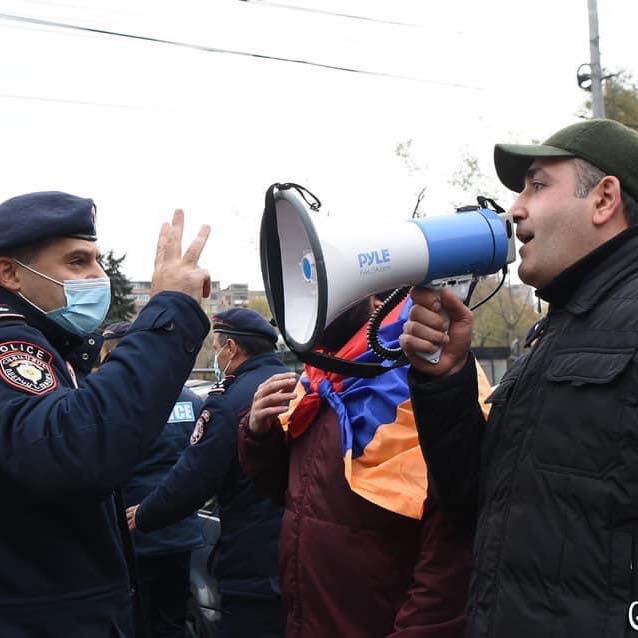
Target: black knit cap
(28, 219)
(244, 321)
(609, 145)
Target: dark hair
(344, 327)
(588, 175)
(28, 253)
(251, 345)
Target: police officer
(246, 560)
(163, 556)
(69, 439)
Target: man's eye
(537, 186)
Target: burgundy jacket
(349, 568)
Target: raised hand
(130, 517)
(176, 271)
(271, 400)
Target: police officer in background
(68, 439)
(163, 556)
(246, 559)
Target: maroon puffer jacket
(349, 568)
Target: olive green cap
(609, 145)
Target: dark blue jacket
(246, 557)
(187, 533)
(62, 452)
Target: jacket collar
(268, 358)
(579, 287)
(80, 352)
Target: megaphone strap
(348, 368)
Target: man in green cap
(550, 482)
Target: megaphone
(314, 270)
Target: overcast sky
(144, 127)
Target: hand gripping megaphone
(315, 270)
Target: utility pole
(597, 101)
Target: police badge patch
(200, 427)
(27, 367)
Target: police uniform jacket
(246, 558)
(64, 448)
(186, 534)
(551, 481)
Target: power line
(208, 49)
(39, 98)
(350, 16)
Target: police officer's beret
(243, 321)
(34, 217)
(116, 330)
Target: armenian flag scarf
(383, 461)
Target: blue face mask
(217, 371)
(87, 303)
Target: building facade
(220, 299)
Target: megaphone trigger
(460, 287)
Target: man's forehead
(547, 165)
(64, 246)
(74, 243)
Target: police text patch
(182, 411)
(27, 367)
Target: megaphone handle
(434, 357)
(460, 290)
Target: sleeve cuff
(436, 385)
(169, 310)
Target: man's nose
(518, 209)
(97, 272)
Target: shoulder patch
(27, 367)
(7, 314)
(200, 426)
(217, 388)
(182, 411)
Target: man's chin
(526, 275)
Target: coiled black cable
(377, 317)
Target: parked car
(204, 606)
(201, 387)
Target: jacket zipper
(515, 393)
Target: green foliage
(470, 180)
(621, 99)
(205, 357)
(404, 151)
(506, 317)
(260, 305)
(122, 305)
(468, 174)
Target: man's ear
(9, 275)
(607, 200)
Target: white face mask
(87, 303)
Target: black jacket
(63, 449)
(186, 534)
(551, 481)
(246, 557)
